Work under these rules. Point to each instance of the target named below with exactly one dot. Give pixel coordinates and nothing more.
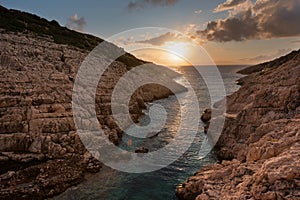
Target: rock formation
(142, 150)
(271, 64)
(259, 148)
(41, 153)
(206, 117)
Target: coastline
(38, 136)
(162, 183)
(259, 148)
(41, 154)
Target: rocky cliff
(271, 64)
(40, 152)
(259, 148)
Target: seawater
(111, 184)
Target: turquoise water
(115, 185)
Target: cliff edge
(41, 154)
(259, 147)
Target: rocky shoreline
(259, 148)
(41, 154)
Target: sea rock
(206, 116)
(206, 127)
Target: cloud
(121, 41)
(76, 23)
(138, 4)
(164, 38)
(233, 28)
(260, 20)
(268, 57)
(198, 11)
(229, 4)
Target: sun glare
(177, 52)
(170, 54)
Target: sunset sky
(232, 31)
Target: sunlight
(161, 57)
(177, 52)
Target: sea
(111, 184)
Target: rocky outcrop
(259, 147)
(41, 153)
(206, 117)
(271, 64)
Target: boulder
(206, 115)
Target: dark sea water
(159, 185)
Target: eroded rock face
(260, 145)
(40, 152)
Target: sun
(172, 53)
(177, 52)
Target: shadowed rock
(142, 150)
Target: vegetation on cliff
(23, 22)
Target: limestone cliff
(40, 152)
(259, 147)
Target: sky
(229, 31)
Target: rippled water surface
(114, 185)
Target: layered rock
(259, 147)
(41, 153)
